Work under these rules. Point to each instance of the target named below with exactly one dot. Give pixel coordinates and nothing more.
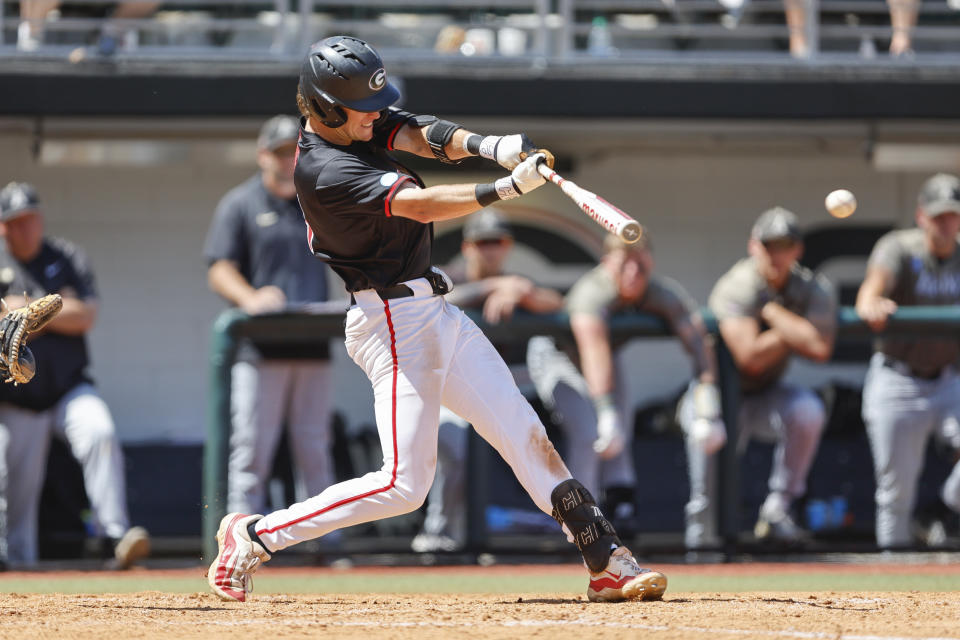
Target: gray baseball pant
(265, 396)
(902, 412)
(792, 417)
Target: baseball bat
(608, 216)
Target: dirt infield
(690, 616)
(367, 603)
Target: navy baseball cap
(486, 225)
(776, 224)
(940, 194)
(18, 199)
(278, 131)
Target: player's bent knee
(410, 496)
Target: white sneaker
(623, 579)
(775, 525)
(431, 543)
(26, 40)
(133, 546)
(231, 574)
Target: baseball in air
(841, 203)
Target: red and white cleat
(231, 574)
(623, 579)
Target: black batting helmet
(341, 71)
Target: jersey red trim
(393, 134)
(309, 236)
(393, 418)
(393, 191)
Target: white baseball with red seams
(420, 352)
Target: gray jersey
(918, 279)
(742, 292)
(596, 294)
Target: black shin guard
(592, 533)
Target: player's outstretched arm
(447, 201)
(449, 142)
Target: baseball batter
(769, 308)
(912, 389)
(370, 219)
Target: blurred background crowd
(150, 181)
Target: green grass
(465, 582)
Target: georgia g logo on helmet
(378, 79)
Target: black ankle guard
(592, 533)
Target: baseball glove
(17, 364)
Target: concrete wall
(143, 223)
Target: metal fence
(233, 325)
(495, 32)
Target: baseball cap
(940, 194)
(17, 199)
(486, 225)
(776, 223)
(278, 130)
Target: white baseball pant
(420, 352)
(84, 420)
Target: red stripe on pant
(393, 418)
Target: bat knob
(631, 233)
(547, 159)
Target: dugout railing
(234, 325)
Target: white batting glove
(610, 437)
(707, 431)
(506, 150)
(526, 176)
(524, 179)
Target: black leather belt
(390, 293)
(904, 369)
(437, 283)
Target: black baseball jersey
(62, 360)
(346, 193)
